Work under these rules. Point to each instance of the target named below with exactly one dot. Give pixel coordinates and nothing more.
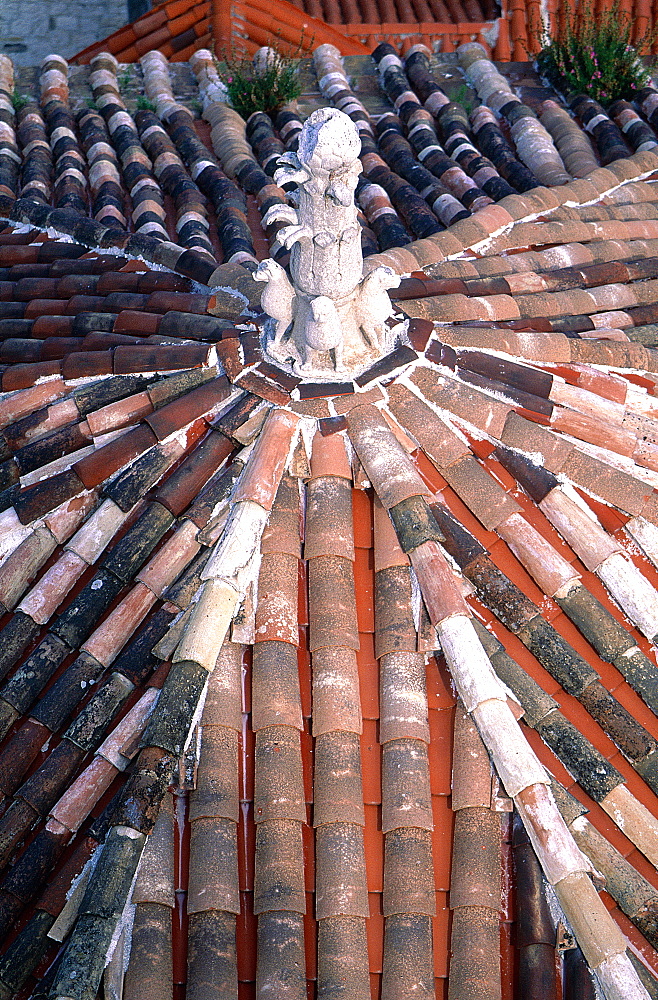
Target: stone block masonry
(32, 29)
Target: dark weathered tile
(276, 611)
(408, 956)
(476, 859)
(407, 850)
(403, 697)
(388, 467)
(275, 697)
(279, 784)
(169, 726)
(279, 875)
(129, 554)
(311, 390)
(149, 968)
(394, 362)
(211, 956)
(340, 883)
(332, 607)
(336, 700)
(216, 792)
(17, 635)
(475, 945)
(343, 958)
(329, 517)
(394, 624)
(214, 885)
(406, 797)
(281, 960)
(337, 791)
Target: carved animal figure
(324, 242)
(278, 299)
(322, 332)
(373, 306)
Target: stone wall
(32, 29)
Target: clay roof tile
(329, 651)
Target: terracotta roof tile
(573, 403)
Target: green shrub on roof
(265, 87)
(592, 54)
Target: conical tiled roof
(178, 28)
(348, 687)
(508, 29)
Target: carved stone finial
(329, 319)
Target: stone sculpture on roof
(177, 531)
(328, 319)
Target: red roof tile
(494, 443)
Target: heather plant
(264, 87)
(592, 54)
